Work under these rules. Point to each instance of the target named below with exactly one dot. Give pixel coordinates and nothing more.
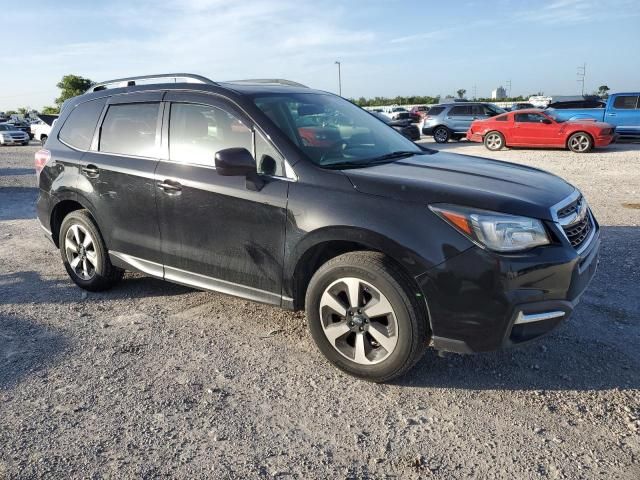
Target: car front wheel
(580, 142)
(365, 316)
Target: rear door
(625, 114)
(217, 232)
(459, 118)
(117, 176)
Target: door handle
(611, 114)
(170, 186)
(91, 171)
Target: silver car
(452, 120)
(10, 135)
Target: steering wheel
(337, 147)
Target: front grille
(578, 232)
(576, 222)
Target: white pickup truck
(41, 129)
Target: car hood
(464, 180)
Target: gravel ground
(154, 380)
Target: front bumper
(427, 130)
(14, 141)
(605, 140)
(480, 301)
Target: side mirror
(238, 162)
(546, 121)
(235, 162)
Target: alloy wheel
(81, 252)
(441, 135)
(579, 143)
(494, 141)
(358, 321)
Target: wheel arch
(63, 208)
(321, 246)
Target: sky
(386, 47)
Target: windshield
(333, 132)
(5, 128)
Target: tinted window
(501, 118)
(436, 110)
(130, 129)
(529, 117)
(197, 132)
(466, 110)
(625, 101)
(80, 125)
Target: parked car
(406, 127)
(394, 112)
(567, 102)
(22, 126)
(387, 245)
(420, 110)
(41, 129)
(622, 110)
(10, 135)
(409, 116)
(535, 128)
(452, 120)
(520, 106)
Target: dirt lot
(155, 380)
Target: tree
(49, 110)
(461, 93)
(603, 91)
(71, 86)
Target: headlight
(496, 231)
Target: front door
(625, 114)
(217, 233)
(535, 129)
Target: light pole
(339, 79)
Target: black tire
(43, 140)
(409, 311)
(493, 141)
(24, 144)
(104, 275)
(441, 134)
(580, 142)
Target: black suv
(278, 193)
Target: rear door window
(433, 111)
(78, 129)
(626, 102)
(130, 129)
(460, 110)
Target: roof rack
(277, 81)
(131, 81)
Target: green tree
(72, 86)
(461, 93)
(603, 91)
(11, 112)
(49, 110)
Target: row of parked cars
(578, 124)
(20, 132)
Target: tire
(43, 140)
(580, 142)
(441, 134)
(494, 141)
(24, 144)
(344, 333)
(94, 271)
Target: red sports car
(535, 128)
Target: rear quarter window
(80, 125)
(501, 118)
(436, 110)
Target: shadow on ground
(18, 203)
(27, 348)
(11, 172)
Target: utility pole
(475, 90)
(509, 88)
(339, 79)
(582, 72)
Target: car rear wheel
(580, 142)
(85, 255)
(441, 134)
(365, 317)
(494, 141)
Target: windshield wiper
(394, 156)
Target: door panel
(121, 185)
(216, 232)
(533, 132)
(624, 114)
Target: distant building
(499, 93)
